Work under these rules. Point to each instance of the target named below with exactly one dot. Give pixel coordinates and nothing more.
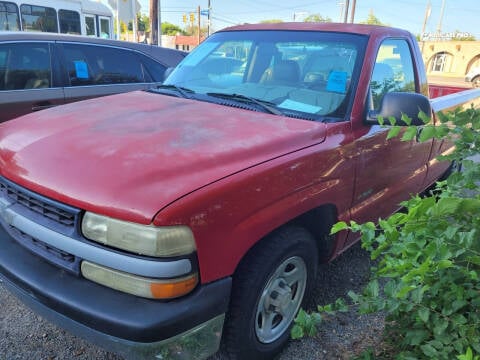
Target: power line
(224, 20)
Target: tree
(271, 21)
(123, 27)
(373, 20)
(143, 23)
(317, 18)
(462, 36)
(171, 29)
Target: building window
(439, 62)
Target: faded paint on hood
(130, 155)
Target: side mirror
(394, 104)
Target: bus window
(9, 19)
(90, 26)
(39, 18)
(104, 27)
(69, 22)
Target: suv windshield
(307, 74)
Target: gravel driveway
(24, 335)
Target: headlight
(141, 239)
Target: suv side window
(393, 71)
(155, 70)
(101, 65)
(25, 66)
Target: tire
(453, 168)
(269, 287)
(476, 82)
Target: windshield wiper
(265, 105)
(183, 91)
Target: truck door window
(393, 71)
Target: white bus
(81, 17)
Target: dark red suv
(40, 70)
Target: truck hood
(130, 155)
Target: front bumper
(130, 326)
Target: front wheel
(269, 287)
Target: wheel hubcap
(281, 299)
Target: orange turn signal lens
(173, 288)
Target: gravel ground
(24, 335)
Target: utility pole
(198, 23)
(428, 11)
(208, 18)
(439, 26)
(134, 20)
(345, 14)
(117, 22)
(159, 23)
(153, 22)
(352, 15)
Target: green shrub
(428, 256)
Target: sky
(460, 15)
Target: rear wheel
(476, 82)
(269, 287)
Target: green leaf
(301, 316)
(446, 206)
(394, 131)
(440, 326)
(415, 337)
(354, 296)
(424, 314)
(467, 356)
(410, 134)
(392, 120)
(428, 132)
(429, 351)
(444, 264)
(372, 290)
(406, 119)
(424, 117)
(297, 332)
(339, 226)
(340, 305)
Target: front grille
(53, 255)
(35, 203)
(44, 212)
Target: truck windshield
(307, 74)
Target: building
(181, 42)
(450, 58)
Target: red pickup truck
(160, 223)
